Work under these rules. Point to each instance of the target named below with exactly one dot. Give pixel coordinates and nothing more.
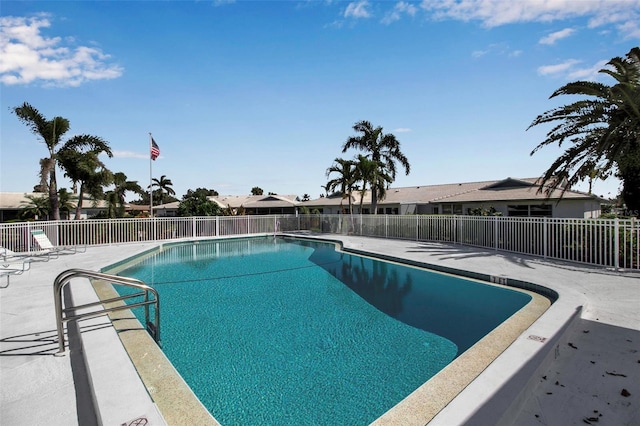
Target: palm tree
(374, 174)
(604, 130)
(38, 207)
(51, 132)
(111, 199)
(86, 169)
(66, 202)
(345, 180)
(118, 194)
(383, 149)
(164, 185)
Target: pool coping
(419, 407)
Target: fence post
(28, 236)
(616, 243)
(386, 226)
(193, 227)
(495, 232)
(455, 227)
(545, 225)
(217, 226)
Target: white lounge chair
(13, 268)
(45, 244)
(33, 256)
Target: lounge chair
(33, 256)
(45, 244)
(13, 268)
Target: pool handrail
(68, 313)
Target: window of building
(452, 209)
(540, 210)
(530, 210)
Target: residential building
(507, 197)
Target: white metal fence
(606, 242)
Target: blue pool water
(290, 332)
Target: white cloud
(129, 154)
(357, 10)
(492, 13)
(26, 56)
(562, 67)
(502, 49)
(589, 74)
(630, 28)
(398, 10)
(479, 53)
(570, 71)
(558, 35)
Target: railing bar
(104, 302)
(65, 278)
(106, 311)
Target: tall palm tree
(603, 130)
(383, 149)
(164, 185)
(66, 202)
(111, 198)
(51, 132)
(121, 187)
(345, 180)
(86, 169)
(374, 174)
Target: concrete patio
(578, 364)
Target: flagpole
(150, 176)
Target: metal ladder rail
(62, 314)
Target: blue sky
(240, 94)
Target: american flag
(155, 150)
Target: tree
(66, 204)
(117, 196)
(164, 185)
(256, 190)
(37, 208)
(383, 149)
(51, 132)
(603, 130)
(345, 180)
(86, 169)
(111, 198)
(374, 174)
(206, 192)
(197, 203)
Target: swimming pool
(274, 331)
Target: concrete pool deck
(578, 364)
